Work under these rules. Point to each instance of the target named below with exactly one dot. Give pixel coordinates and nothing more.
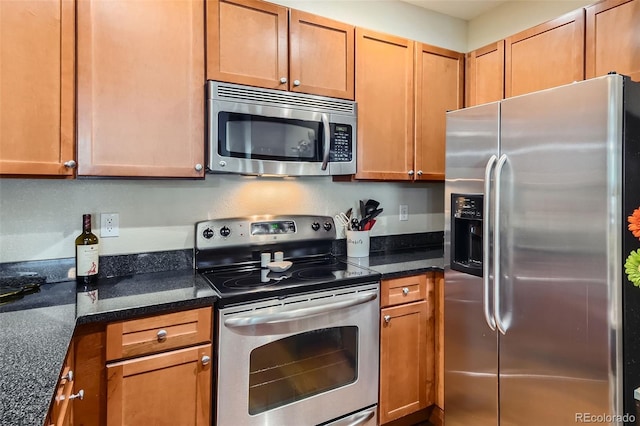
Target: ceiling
(463, 9)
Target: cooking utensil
(370, 206)
(369, 225)
(355, 224)
(369, 218)
(343, 219)
(362, 209)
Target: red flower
(634, 223)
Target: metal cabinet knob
(283, 80)
(405, 290)
(79, 395)
(205, 360)
(411, 172)
(296, 82)
(198, 167)
(68, 377)
(419, 172)
(161, 335)
(70, 164)
(387, 318)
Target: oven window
(267, 138)
(301, 366)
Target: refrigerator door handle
(496, 247)
(485, 243)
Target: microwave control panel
(341, 142)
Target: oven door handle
(295, 314)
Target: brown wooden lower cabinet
(61, 410)
(170, 388)
(407, 345)
(124, 382)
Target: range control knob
(315, 226)
(225, 232)
(208, 233)
(327, 226)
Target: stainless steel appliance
(259, 131)
(297, 347)
(546, 334)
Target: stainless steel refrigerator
(542, 320)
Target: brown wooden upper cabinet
(37, 104)
(403, 89)
(613, 38)
(484, 76)
(439, 88)
(141, 88)
(547, 55)
(262, 44)
(385, 96)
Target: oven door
(302, 360)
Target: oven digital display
(270, 228)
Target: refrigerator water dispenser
(466, 233)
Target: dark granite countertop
(35, 331)
(402, 263)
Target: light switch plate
(404, 212)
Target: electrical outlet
(109, 224)
(404, 212)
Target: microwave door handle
(300, 313)
(327, 141)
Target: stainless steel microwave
(257, 131)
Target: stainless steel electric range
(297, 346)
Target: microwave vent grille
(287, 99)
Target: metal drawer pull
(79, 395)
(68, 376)
(205, 360)
(387, 318)
(162, 335)
(70, 164)
(405, 290)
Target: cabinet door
(171, 388)
(385, 96)
(403, 356)
(613, 38)
(438, 291)
(484, 76)
(247, 43)
(439, 88)
(37, 87)
(321, 56)
(547, 55)
(141, 88)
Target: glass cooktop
(243, 283)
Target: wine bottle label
(87, 260)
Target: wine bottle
(86, 254)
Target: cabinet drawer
(159, 333)
(403, 290)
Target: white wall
(40, 218)
(392, 17)
(514, 16)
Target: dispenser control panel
(468, 207)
